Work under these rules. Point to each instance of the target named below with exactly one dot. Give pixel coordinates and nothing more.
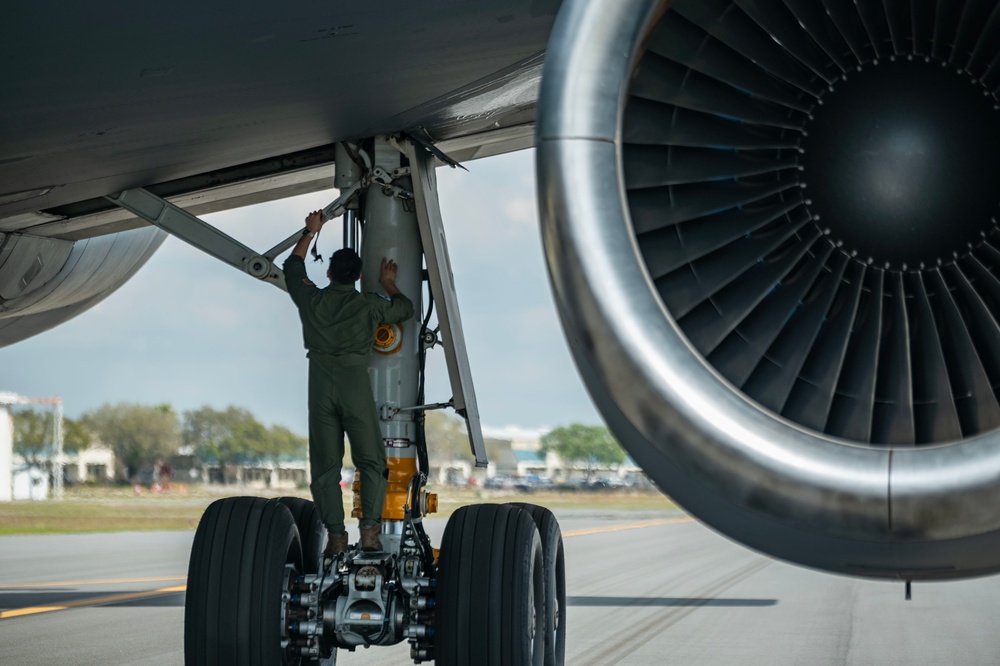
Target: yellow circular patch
(388, 338)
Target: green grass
(94, 509)
(610, 500)
(102, 510)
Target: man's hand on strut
(315, 221)
(387, 277)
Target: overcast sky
(190, 331)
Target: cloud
(523, 212)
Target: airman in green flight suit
(338, 326)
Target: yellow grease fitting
(388, 339)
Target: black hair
(345, 266)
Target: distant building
(451, 472)
(29, 483)
(520, 456)
(6, 454)
(515, 452)
(534, 463)
(95, 464)
(283, 474)
(286, 474)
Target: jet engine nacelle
(46, 281)
(771, 234)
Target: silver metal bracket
(432, 338)
(333, 210)
(388, 410)
(383, 179)
(422, 165)
(202, 235)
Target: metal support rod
(273, 253)
(422, 165)
(351, 229)
(433, 405)
(334, 209)
(390, 231)
(195, 231)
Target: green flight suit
(338, 327)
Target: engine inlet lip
(678, 403)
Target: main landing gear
(259, 592)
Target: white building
(94, 464)
(7, 442)
(6, 454)
(283, 475)
(528, 460)
(29, 483)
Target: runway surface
(649, 589)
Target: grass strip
(119, 510)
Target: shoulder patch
(308, 282)
(382, 296)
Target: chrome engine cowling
(771, 230)
(47, 281)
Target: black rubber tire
(312, 532)
(232, 611)
(555, 582)
(490, 589)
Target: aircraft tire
(312, 532)
(555, 582)
(232, 611)
(491, 589)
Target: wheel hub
(899, 161)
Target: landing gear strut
(259, 591)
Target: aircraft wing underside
(770, 227)
(215, 109)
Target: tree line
(592, 446)
(143, 436)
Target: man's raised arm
(314, 222)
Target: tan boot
(370, 540)
(336, 544)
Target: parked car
(532, 482)
(498, 483)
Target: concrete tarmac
(649, 589)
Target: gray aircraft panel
(133, 96)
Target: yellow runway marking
(34, 610)
(630, 526)
(107, 581)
